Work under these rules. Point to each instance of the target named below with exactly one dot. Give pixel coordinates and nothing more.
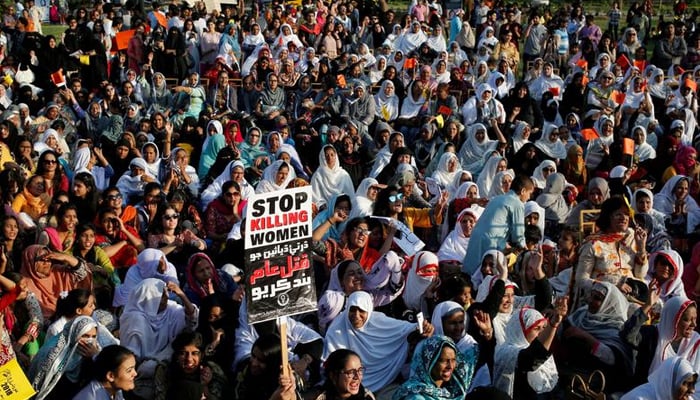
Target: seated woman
(381, 341)
(104, 274)
(114, 371)
(222, 213)
(421, 281)
(524, 363)
(681, 210)
(675, 379)
(384, 282)
(674, 335)
(73, 304)
(204, 280)
(217, 324)
(62, 237)
(666, 270)
(259, 377)
(149, 324)
(598, 192)
(131, 184)
(438, 370)
(616, 253)
(275, 177)
(47, 280)
(330, 178)
(62, 366)
(33, 200)
(454, 247)
(390, 204)
(151, 263)
(166, 234)
(344, 372)
(591, 335)
(188, 376)
(234, 171)
(112, 200)
(119, 240)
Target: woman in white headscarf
(499, 84)
(436, 40)
(494, 165)
(666, 269)
(456, 55)
(421, 275)
(475, 147)
(234, 171)
(366, 58)
(392, 38)
(276, 177)
(365, 196)
(596, 150)
(547, 81)
(149, 324)
(454, 247)
(412, 39)
(523, 363)
(488, 38)
(521, 135)
(151, 263)
(550, 144)
(379, 340)
(643, 150)
(386, 102)
(448, 167)
(152, 159)
(546, 168)
(552, 200)
(330, 178)
(483, 107)
(286, 35)
(676, 191)
(674, 379)
(376, 72)
(501, 183)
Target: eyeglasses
(548, 169)
(169, 217)
(114, 197)
(354, 373)
(50, 161)
(396, 197)
(232, 194)
(362, 231)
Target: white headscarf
(144, 329)
(473, 151)
(424, 270)
(214, 189)
(664, 382)
(674, 286)
(518, 138)
(442, 174)
(538, 175)
(488, 174)
(670, 315)
(533, 207)
(381, 342)
(146, 267)
(447, 308)
(327, 181)
(454, 247)
(541, 380)
(152, 168)
(665, 200)
(363, 206)
(643, 151)
(409, 40)
(268, 183)
(386, 107)
(555, 149)
(497, 185)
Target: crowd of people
(548, 164)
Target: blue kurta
(502, 221)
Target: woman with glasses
(167, 234)
(390, 203)
(54, 178)
(222, 213)
(344, 372)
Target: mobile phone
(419, 320)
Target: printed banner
(14, 385)
(279, 269)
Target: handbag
(590, 389)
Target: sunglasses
(50, 161)
(171, 216)
(232, 194)
(114, 197)
(396, 197)
(362, 231)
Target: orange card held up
(162, 19)
(340, 79)
(122, 38)
(617, 97)
(58, 79)
(689, 83)
(582, 63)
(623, 62)
(627, 146)
(554, 91)
(589, 133)
(640, 64)
(410, 63)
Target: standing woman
(174, 52)
(210, 43)
(192, 42)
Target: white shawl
(454, 247)
(327, 182)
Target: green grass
(56, 30)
